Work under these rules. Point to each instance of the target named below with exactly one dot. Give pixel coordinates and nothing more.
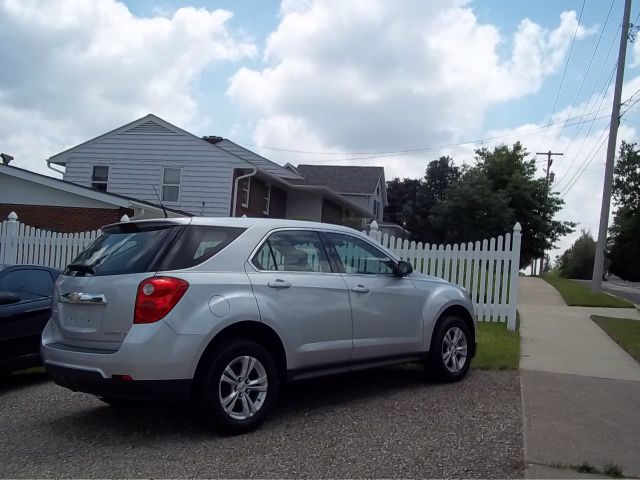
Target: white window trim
(267, 201)
(163, 184)
(93, 182)
(248, 190)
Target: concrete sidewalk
(581, 391)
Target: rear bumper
(92, 382)
(151, 352)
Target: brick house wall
(257, 192)
(64, 219)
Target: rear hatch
(95, 297)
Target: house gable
(137, 154)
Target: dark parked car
(25, 308)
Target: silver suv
(221, 311)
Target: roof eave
(315, 188)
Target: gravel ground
(384, 423)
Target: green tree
(624, 254)
(440, 176)
(472, 211)
(411, 200)
(577, 261)
(502, 188)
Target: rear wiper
(81, 267)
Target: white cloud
(73, 69)
(378, 75)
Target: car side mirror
(403, 268)
(8, 298)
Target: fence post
(373, 231)
(11, 250)
(515, 275)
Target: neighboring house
(364, 186)
(152, 160)
(49, 203)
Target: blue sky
(344, 80)
(259, 18)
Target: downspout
(58, 171)
(235, 189)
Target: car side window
(263, 260)
(360, 257)
(28, 284)
(292, 251)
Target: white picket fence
(488, 270)
(22, 244)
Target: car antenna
(164, 210)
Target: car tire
(450, 352)
(238, 388)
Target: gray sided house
(364, 186)
(150, 159)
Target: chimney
(6, 158)
(213, 139)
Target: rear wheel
(238, 388)
(450, 352)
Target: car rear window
(137, 248)
(197, 244)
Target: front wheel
(238, 388)
(449, 355)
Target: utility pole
(549, 155)
(598, 262)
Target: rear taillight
(156, 297)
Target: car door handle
(279, 283)
(360, 289)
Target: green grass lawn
(624, 331)
(576, 294)
(498, 347)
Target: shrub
(577, 261)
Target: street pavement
(618, 287)
(581, 391)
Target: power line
(395, 153)
(576, 176)
(593, 98)
(580, 171)
(564, 71)
(586, 74)
(586, 136)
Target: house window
(267, 200)
(99, 178)
(171, 184)
(246, 188)
(376, 208)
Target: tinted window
(263, 260)
(293, 251)
(127, 248)
(28, 284)
(359, 256)
(197, 244)
(136, 248)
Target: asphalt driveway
(384, 423)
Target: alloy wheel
(454, 349)
(243, 387)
